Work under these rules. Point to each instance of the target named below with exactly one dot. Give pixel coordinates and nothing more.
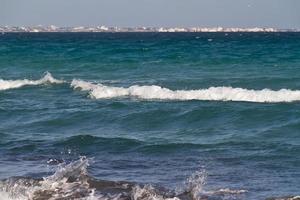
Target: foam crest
(12, 84)
(68, 182)
(148, 193)
(154, 92)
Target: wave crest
(154, 92)
(12, 84)
(68, 182)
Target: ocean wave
(72, 181)
(12, 84)
(154, 92)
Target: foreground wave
(72, 181)
(12, 84)
(153, 92)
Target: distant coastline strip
(52, 28)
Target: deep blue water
(252, 146)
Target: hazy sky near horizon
(184, 13)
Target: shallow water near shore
(149, 115)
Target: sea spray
(195, 183)
(68, 182)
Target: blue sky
(184, 13)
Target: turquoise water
(221, 125)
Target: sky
(154, 13)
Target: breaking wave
(153, 92)
(12, 84)
(72, 181)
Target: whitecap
(154, 92)
(12, 84)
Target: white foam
(56, 185)
(5, 196)
(148, 193)
(12, 84)
(154, 92)
(228, 191)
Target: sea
(150, 116)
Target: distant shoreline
(5, 32)
(104, 29)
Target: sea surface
(149, 116)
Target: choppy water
(149, 116)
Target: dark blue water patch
(99, 144)
(88, 143)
